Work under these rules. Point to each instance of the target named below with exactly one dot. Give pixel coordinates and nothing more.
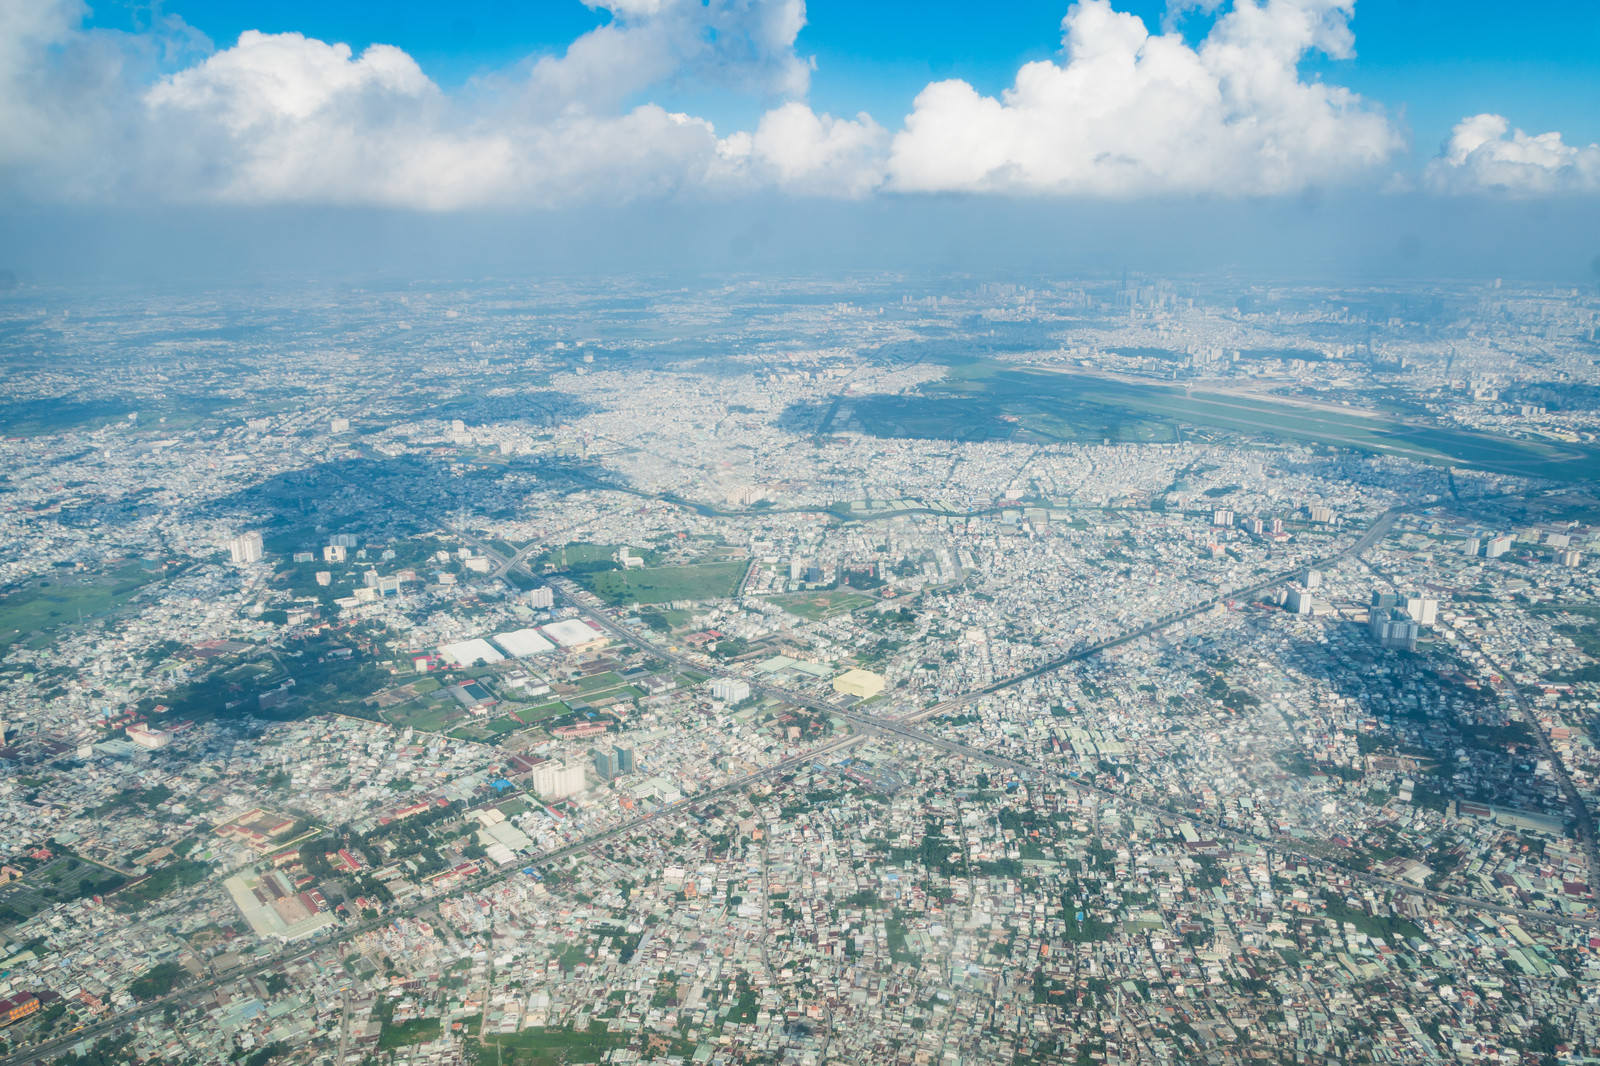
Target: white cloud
(285, 118)
(281, 118)
(93, 115)
(66, 94)
(1129, 113)
(798, 150)
(747, 45)
(1485, 154)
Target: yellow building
(863, 684)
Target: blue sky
(1323, 136)
(508, 104)
(1429, 61)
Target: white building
(730, 689)
(245, 548)
(1423, 610)
(554, 780)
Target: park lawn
(819, 605)
(580, 554)
(664, 584)
(430, 719)
(550, 1047)
(543, 711)
(667, 618)
(65, 878)
(596, 682)
(32, 611)
(160, 882)
(404, 1034)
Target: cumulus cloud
(66, 94)
(282, 117)
(1484, 153)
(741, 44)
(1127, 112)
(278, 118)
(796, 149)
(93, 115)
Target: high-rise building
(1474, 546)
(1393, 629)
(333, 553)
(624, 758)
(1422, 610)
(730, 689)
(245, 548)
(1498, 546)
(605, 764)
(1222, 517)
(1299, 601)
(1570, 558)
(541, 597)
(339, 425)
(554, 780)
(1313, 579)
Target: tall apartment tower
(245, 548)
(1423, 610)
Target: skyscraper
(245, 548)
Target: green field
(432, 717)
(65, 878)
(34, 610)
(820, 605)
(701, 581)
(404, 1034)
(992, 401)
(596, 682)
(550, 1047)
(160, 883)
(32, 418)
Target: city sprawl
(871, 670)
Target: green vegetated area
(60, 880)
(31, 612)
(697, 581)
(161, 881)
(551, 1047)
(404, 1034)
(982, 400)
(818, 605)
(32, 418)
(157, 981)
(316, 675)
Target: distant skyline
(488, 104)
